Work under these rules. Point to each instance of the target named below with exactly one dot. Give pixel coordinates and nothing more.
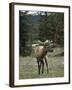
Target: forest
(39, 25)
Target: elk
(41, 50)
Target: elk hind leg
(42, 66)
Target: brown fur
(41, 58)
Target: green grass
(28, 66)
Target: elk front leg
(39, 65)
(46, 63)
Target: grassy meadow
(28, 66)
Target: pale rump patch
(39, 50)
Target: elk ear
(39, 41)
(46, 42)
